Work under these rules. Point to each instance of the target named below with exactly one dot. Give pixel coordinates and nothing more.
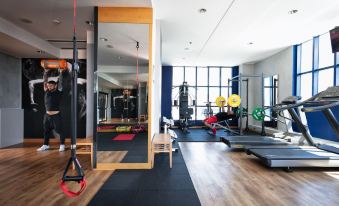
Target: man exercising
(221, 116)
(52, 118)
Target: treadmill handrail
(291, 106)
(320, 108)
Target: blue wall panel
(166, 91)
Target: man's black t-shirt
(221, 116)
(52, 100)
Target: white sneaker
(62, 148)
(43, 148)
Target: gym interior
(169, 102)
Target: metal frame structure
(240, 78)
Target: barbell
(233, 101)
(258, 113)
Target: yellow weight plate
(220, 101)
(234, 100)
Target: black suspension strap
(74, 121)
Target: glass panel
(267, 97)
(325, 79)
(326, 57)
(214, 76)
(226, 73)
(190, 75)
(201, 96)
(224, 91)
(214, 92)
(202, 76)
(175, 113)
(306, 56)
(125, 100)
(200, 113)
(178, 76)
(306, 86)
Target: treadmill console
(291, 100)
(329, 93)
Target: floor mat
(160, 186)
(137, 148)
(124, 137)
(198, 135)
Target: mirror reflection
(271, 99)
(122, 83)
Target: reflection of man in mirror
(128, 105)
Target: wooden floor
(32, 178)
(220, 177)
(224, 177)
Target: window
(214, 76)
(202, 76)
(315, 72)
(178, 76)
(306, 56)
(326, 57)
(190, 75)
(325, 79)
(206, 84)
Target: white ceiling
(220, 37)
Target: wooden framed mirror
(123, 82)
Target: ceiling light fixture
(190, 42)
(103, 39)
(56, 21)
(250, 43)
(187, 48)
(90, 23)
(110, 46)
(293, 11)
(26, 21)
(202, 10)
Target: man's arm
(45, 79)
(60, 80)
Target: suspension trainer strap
(74, 116)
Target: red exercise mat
(124, 137)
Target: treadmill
(241, 142)
(314, 155)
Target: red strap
(71, 193)
(74, 15)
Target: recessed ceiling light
(56, 21)
(183, 58)
(25, 20)
(103, 39)
(187, 48)
(110, 46)
(40, 51)
(293, 11)
(202, 10)
(190, 42)
(90, 23)
(250, 43)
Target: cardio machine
(314, 155)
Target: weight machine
(185, 110)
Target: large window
(206, 84)
(316, 69)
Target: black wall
(33, 127)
